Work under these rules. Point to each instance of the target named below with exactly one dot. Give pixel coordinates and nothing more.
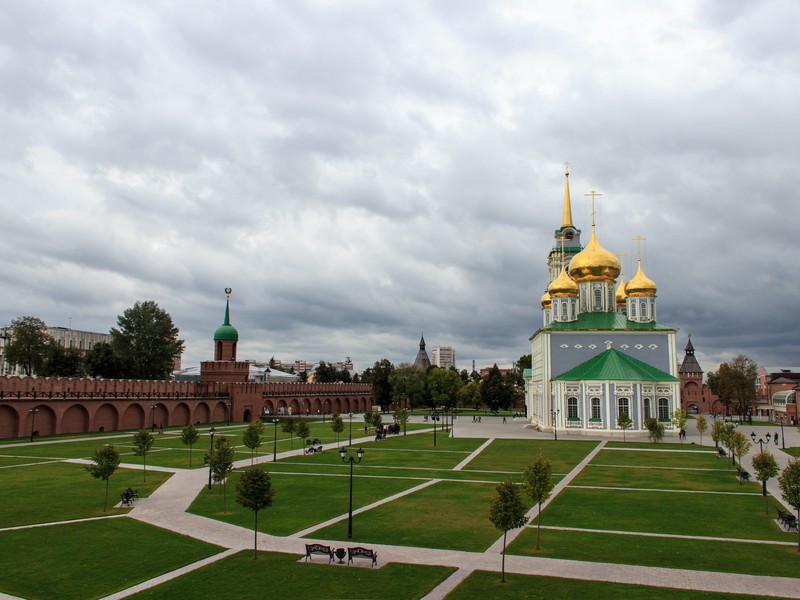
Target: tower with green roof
(226, 337)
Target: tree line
(143, 345)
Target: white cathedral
(599, 352)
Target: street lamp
(229, 413)
(554, 414)
(434, 418)
(760, 441)
(153, 408)
(351, 430)
(33, 412)
(352, 460)
(453, 423)
(211, 451)
(782, 416)
(275, 442)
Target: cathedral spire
(566, 220)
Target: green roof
(605, 321)
(613, 365)
(226, 331)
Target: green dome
(226, 331)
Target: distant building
(443, 357)
(83, 341)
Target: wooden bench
(312, 449)
(744, 475)
(721, 453)
(319, 549)
(359, 552)
(787, 520)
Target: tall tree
(337, 425)
(62, 362)
(443, 387)
(221, 465)
(409, 385)
(142, 442)
(538, 483)
(255, 491)
(735, 384)
(507, 512)
(189, 436)
(766, 467)
(378, 376)
(789, 482)
(146, 341)
(105, 461)
(28, 346)
(251, 438)
(102, 361)
(496, 393)
(325, 373)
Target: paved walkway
(167, 506)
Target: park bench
(319, 549)
(359, 552)
(314, 447)
(721, 453)
(128, 496)
(787, 520)
(744, 475)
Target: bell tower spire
(566, 221)
(568, 237)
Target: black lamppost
(554, 414)
(351, 430)
(434, 418)
(760, 441)
(782, 416)
(229, 413)
(153, 408)
(211, 451)
(275, 441)
(453, 418)
(33, 412)
(352, 460)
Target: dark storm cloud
(363, 173)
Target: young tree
(789, 482)
(105, 461)
(701, 423)
(655, 430)
(726, 439)
(221, 465)
(679, 418)
(289, 426)
(538, 483)
(189, 436)
(28, 345)
(377, 420)
(716, 431)
(337, 424)
(142, 442)
(766, 467)
(369, 418)
(251, 438)
(146, 341)
(507, 512)
(741, 444)
(624, 422)
(302, 430)
(255, 491)
(401, 416)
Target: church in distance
(599, 352)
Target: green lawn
(272, 575)
(91, 559)
(513, 455)
(484, 585)
(643, 477)
(62, 491)
(645, 458)
(728, 557)
(446, 515)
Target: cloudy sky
(360, 172)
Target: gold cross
(639, 239)
(566, 168)
(593, 194)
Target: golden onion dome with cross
(641, 284)
(546, 301)
(621, 296)
(594, 263)
(562, 286)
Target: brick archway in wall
(75, 419)
(202, 413)
(295, 405)
(219, 412)
(9, 422)
(133, 417)
(106, 418)
(181, 414)
(44, 422)
(247, 416)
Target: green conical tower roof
(226, 331)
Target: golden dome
(621, 296)
(562, 286)
(594, 263)
(546, 301)
(641, 284)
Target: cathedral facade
(599, 353)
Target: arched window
(646, 408)
(643, 307)
(598, 298)
(583, 299)
(572, 408)
(663, 409)
(596, 408)
(633, 309)
(623, 407)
